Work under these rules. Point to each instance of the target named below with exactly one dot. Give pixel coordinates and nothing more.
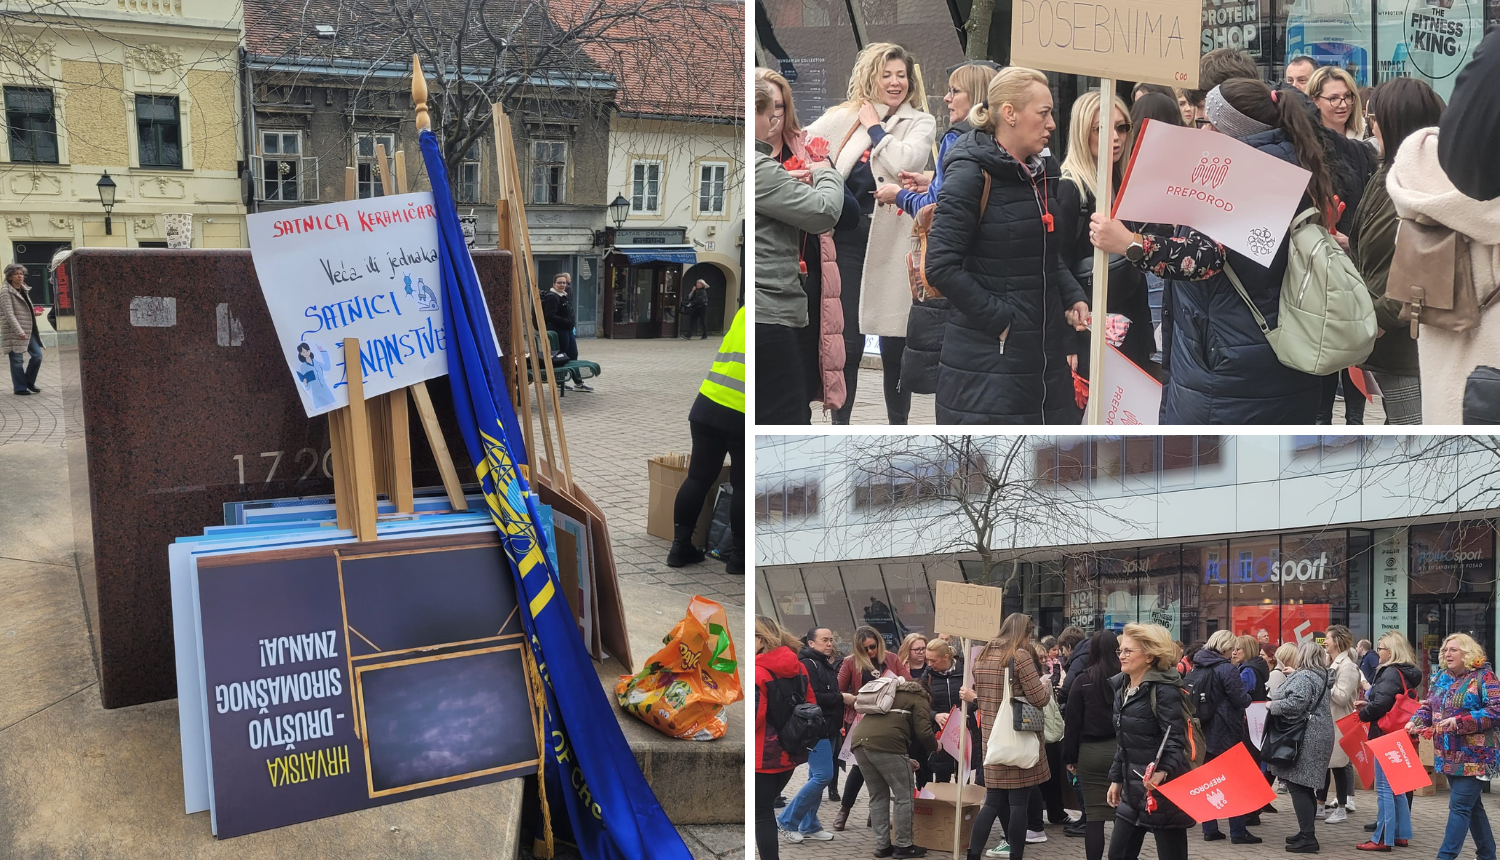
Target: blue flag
(611, 809)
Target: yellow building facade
(144, 89)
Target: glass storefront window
(1118, 603)
(1253, 594)
(1453, 559)
(793, 609)
(830, 608)
(1205, 590)
(911, 596)
(1161, 588)
(871, 604)
(1046, 600)
(1361, 557)
(1314, 583)
(1081, 603)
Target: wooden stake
(1103, 195)
(439, 448)
(386, 184)
(360, 452)
(400, 429)
(963, 756)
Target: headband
(1228, 120)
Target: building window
(468, 174)
(158, 131)
(711, 188)
(549, 171)
(784, 497)
(366, 156)
(645, 187)
(906, 482)
(33, 128)
(281, 167)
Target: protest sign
(1131, 395)
(970, 611)
(1240, 197)
(1228, 785)
(366, 269)
(1256, 715)
(1352, 737)
(952, 732)
(1151, 41)
(1399, 762)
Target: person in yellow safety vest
(717, 421)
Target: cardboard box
(1428, 790)
(667, 472)
(932, 818)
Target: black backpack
(799, 723)
(1207, 692)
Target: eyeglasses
(1120, 128)
(1381, 648)
(871, 649)
(1125, 652)
(1338, 100)
(953, 91)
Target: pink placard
(1131, 395)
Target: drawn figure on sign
(1261, 241)
(1211, 173)
(314, 362)
(426, 298)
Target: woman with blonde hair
(994, 252)
(882, 129)
(1286, 664)
(823, 336)
(1222, 699)
(1461, 715)
(1339, 644)
(913, 655)
(1336, 97)
(1396, 676)
(1304, 696)
(867, 661)
(1077, 199)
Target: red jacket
(777, 663)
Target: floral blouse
(1473, 698)
(1190, 256)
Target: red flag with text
(1352, 737)
(1228, 785)
(1399, 762)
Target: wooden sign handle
(1103, 196)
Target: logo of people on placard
(1217, 798)
(1261, 241)
(1395, 757)
(1211, 171)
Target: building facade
(1287, 534)
(146, 91)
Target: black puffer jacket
(1225, 727)
(944, 687)
(823, 676)
(1381, 696)
(925, 323)
(1005, 347)
(1140, 730)
(1088, 715)
(1078, 660)
(1223, 368)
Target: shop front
(643, 283)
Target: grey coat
(784, 210)
(16, 319)
(1298, 696)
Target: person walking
(1008, 789)
(696, 306)
(1305, 696)
(882, 129)
(869, 660)
(944, 681)
(1396, 676)
(880, 744)
(781, 683)
(1338, 642)
(1220, 697)
(1089, 736)
(785, 208)
(799, 819)
(717, 425)
(967, 86)
(18, 331)
(1148, 717)
(1461, 715)
(994, 253)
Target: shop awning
(638, 254)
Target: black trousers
(852, 784)
(1014, 804)
(1306, 805)
(1339, 776)
(1125, 843)
(768, 787)
(710, 444)
(780, 378)
(1354, 402)
(850, 245)
(1052, 789)
(696, 318)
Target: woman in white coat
(882, 129)
(1342, 697)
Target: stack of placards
(318, 675)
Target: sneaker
(792, 836)
(1370, 828)
(1337, 815)
(1001, 850)
(1247, 839)
(1077, 828)
(1322, 813)
(819, 836)
(579, 386)
(1075, 815)
(887, 850)
(910, 851)
(1349, 804)
(1213, 835)
(1034, 836)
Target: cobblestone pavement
(869, 405)
(1429, 817)
(36, 417)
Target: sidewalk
(78, 781)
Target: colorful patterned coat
(1474, 699)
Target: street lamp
(618, 210)
(107, 199)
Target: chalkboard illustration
(311, 373)
(426, 298)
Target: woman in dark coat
(1089, 743)
(1222, 368)
(1306, 693)
(1221, 699)
(869, 660)
(1008, 344)
(1148, 699)
(944, 681)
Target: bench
(586, 369)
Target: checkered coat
(16, 319)
(1026, 681)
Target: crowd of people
(1134, 707)
(990, 311)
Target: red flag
(1399, 762)
(1228, 785)
(1352, 736)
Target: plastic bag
(686, 684)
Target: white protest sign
(1237, 195)
(358, 268)
(1151, 41)
(1256, 714)
(970, 611)
(1131, 395)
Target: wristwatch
(1137, 249)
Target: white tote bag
(1006, 745)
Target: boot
(683, 552)
(833, 791)
(735, 564)
(841, 819)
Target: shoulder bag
(1029, 718)
(1006, 745)
(1401, 712)
(1284, 733)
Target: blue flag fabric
(612, 812)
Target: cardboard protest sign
(1237, 195)
(359, 268)
(1398, 760)
(1256, 715)
(1152, 41)
(970, 611)
(1352, 737)
(1229, 785)
(1131, 395)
